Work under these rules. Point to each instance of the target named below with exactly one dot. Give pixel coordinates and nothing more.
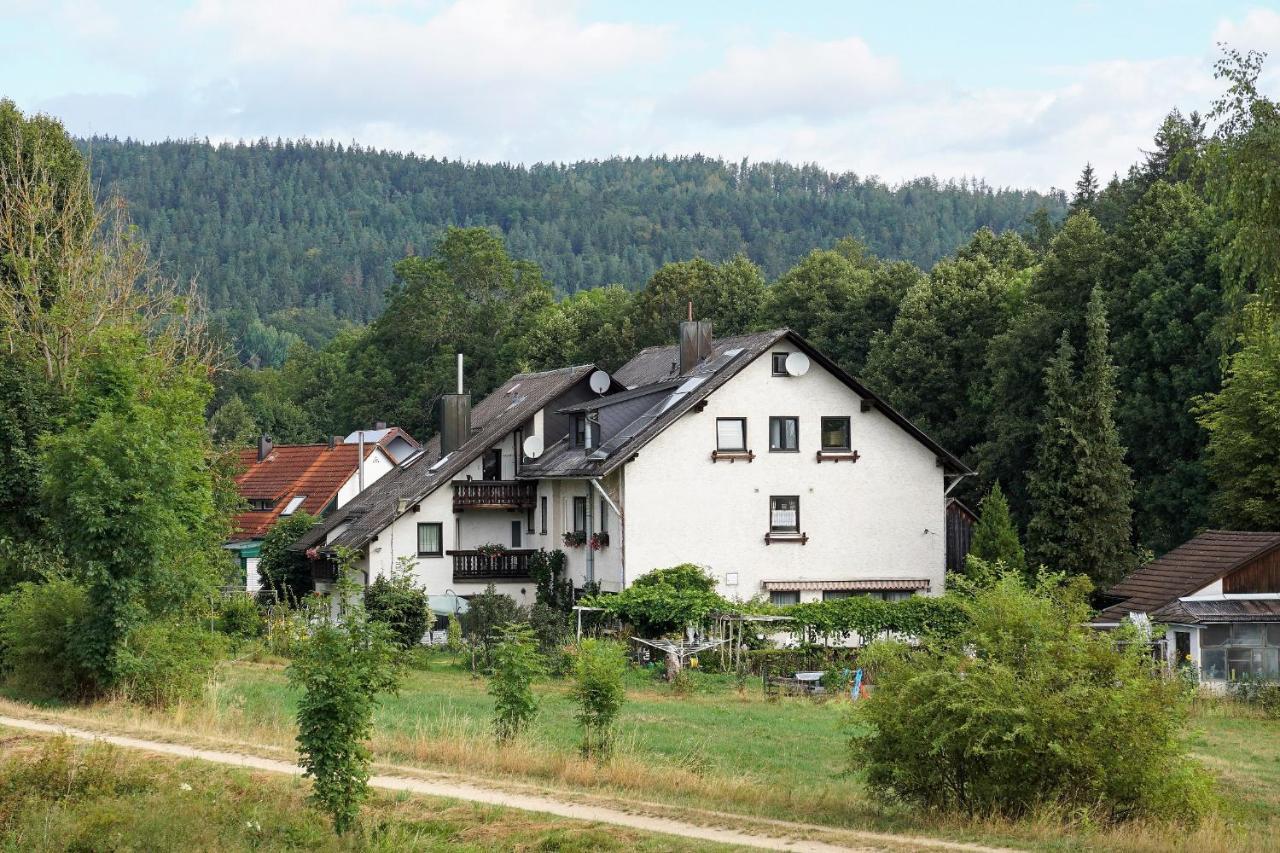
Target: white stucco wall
(375, 467)
(866, 519)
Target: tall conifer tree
(1053, 518)
(995, 538)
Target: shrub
(163, 662)
(599, 692)
(286, 573)
(515, 665)
(1263, 695)
(341, 669)
(240, 617)
(665, 600)
(486, 613)
(453, 634)
(546, 568)
(39, 627)
(400, 604)
(551, 627)
(1027, 708)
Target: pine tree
(1081, 489)
(1053, 517)
(1103, 485)
(995, 538)
(1086, 190)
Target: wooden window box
(732, 455)
(776, 538)
(838, 456)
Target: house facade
(753, 456)
(1216, 600)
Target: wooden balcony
(475, 566)
(494, 494)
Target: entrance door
(492, 469)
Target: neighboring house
(754, 456)
(1218, 598)
(277, 482)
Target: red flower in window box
(599, 540)
(574, 539)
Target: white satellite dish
(533, 447)
(797, 364)
(599, 382)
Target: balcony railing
(494, 494)
(478, 566)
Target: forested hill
(274, 227)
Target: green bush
(486, 614)
(286, 574)
(515, 665)
(1263, 695)
(1027, 709)
(341, 669)
(400, 604)
(163, 662)
(240, 617)
(546, 568)
(453, 634)
(599, 692)
(40, 624)
(664, 601)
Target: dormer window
(261, 504)
(579, 430)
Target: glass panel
(1215, 635)
(784, 596)
(833, 594)
(1273, 635)
(780, 363)
(1246, 635)
(1213, 665)
(1240, 664)
(579, 515)
(731, 434)
(515, 534)
(835, 433)
(784, 433)
(1270, 668)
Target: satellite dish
(599, 382)
(532, 447)
(797, 364)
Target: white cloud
(1258, 30)
(817, 80)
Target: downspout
(591, 552)
(360, 463)
(954, 483)
(613, 506)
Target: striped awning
(890, 585)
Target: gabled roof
(496, 415)
(386, 439)
(1191, 566)
(728, 357)
(316, 471)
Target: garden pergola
(730, 628)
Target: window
(542, 506)
(528, 517)
(833, 594)
(292, 507)
(780, 363)
(579, 430)
(784, 434)
(1239, 651)
(492, 465)
(784, 514)
(784, 596)
(515, 534)
(430, 539)
(604, 516)
(835, 434)
(261, 504)
(579, 515)
(731, 434)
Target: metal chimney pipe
(360, 463)
(459, 373)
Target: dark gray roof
(1223, 610)
(496, 415)
(728, 356)
(620, 397)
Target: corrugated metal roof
(879, 585)
(1225, 610)
(494, 417)
(1186, 569)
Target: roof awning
(886, 585)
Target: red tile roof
(315, 470)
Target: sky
(1019, 94)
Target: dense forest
(291, 239)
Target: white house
(754, 456)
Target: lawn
(715, 748)
(59, 795)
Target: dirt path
(782, 835)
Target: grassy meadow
(715, 747)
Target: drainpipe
(591, 554)
(360, 462)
